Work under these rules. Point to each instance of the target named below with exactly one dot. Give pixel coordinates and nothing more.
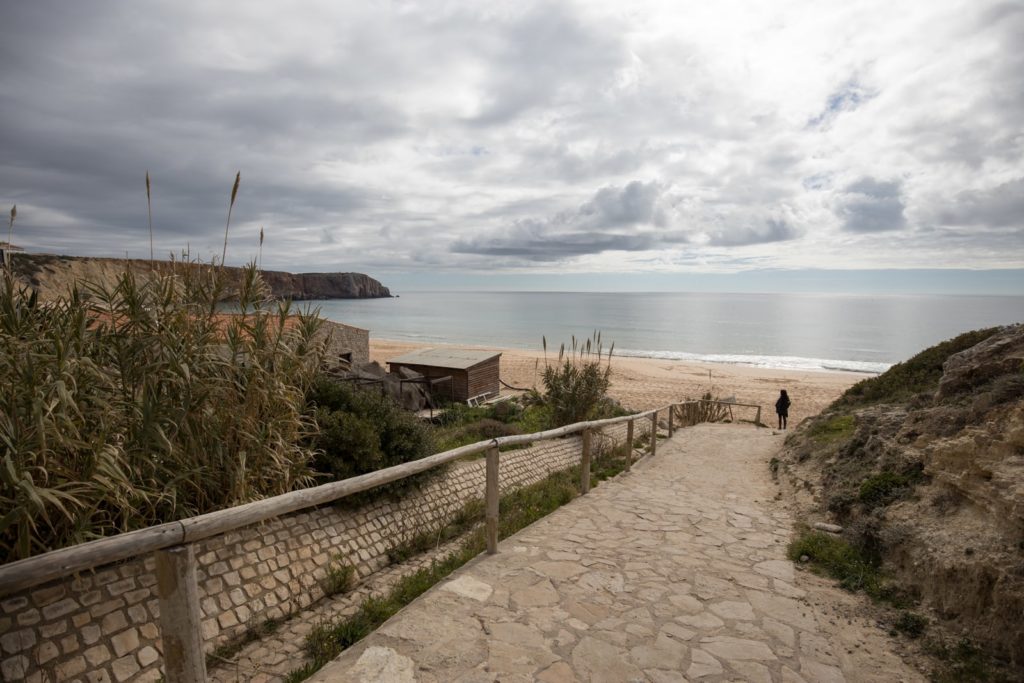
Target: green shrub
(836, 428)
(920, 373)
(911, 624)
(362, 430)
(481, 430)
(576, 384)
(964, 661)
(461, 414)
(838, 559)
(609, 464)
(534, 418)
(458, 414)
(340, 576)
(885, 487)
(134, 404)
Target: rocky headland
(52, 276)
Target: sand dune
(642, 383)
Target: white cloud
(553, 136)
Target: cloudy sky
(597, 145)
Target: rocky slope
(924, 468)
(53, 275)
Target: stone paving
(673, 572)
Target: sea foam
(775, 362)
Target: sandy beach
(643, 383)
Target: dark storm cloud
(872, 205)
(533, 244)
(1000, 206)
(617, 207)
(613, 219)
(770, 231)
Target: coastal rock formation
(51, 276)
(932, 484)
(300, 286)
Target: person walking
(782, 408)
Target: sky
(858, 145)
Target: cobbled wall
(102, 624)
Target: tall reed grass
(136, 403)
(577, 383)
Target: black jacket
(782, 406)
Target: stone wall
(101, 625)
(346, 339)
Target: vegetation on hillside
(916, 375)
(859, 478)
(911, 463)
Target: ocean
(796, 331)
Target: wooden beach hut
(475, 374)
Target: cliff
(923, 466)
(324, 285)
(53, 275)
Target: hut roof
(453, 359)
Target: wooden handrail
(757, 419)
(724, 403)
(33, 571)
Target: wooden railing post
(671, 409)
(758, 418)
(180, 617)
(629, 444)
(585, 463)
(491, 496)
(654, 432)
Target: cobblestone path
(673, 572)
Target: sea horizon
(798, 331)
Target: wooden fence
(173, 543)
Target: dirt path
(673, 572)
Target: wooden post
(758, 418)
(491, 496)
(654, 432)
(180, 616)
(629, 442)
(585, 463)
(671, 409)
